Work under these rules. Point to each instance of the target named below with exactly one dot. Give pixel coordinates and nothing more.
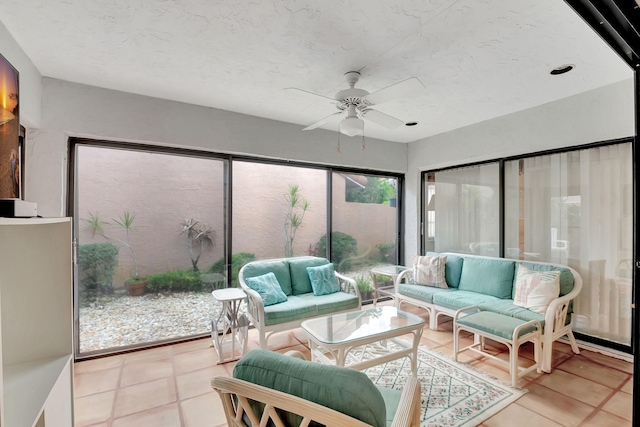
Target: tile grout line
(175, 384)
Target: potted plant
(199, 237)
(135, 285)
(365, 288)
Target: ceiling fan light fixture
(352, 126)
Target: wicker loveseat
(489, 283)
(301, 303)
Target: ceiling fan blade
(382, 119)
(306, 92)
(323, 121)
(395, 91)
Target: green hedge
(237, 261)
(96, 266)
(343, 248)
(176, 281)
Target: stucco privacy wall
(30, 86)
(70, 109)
(598, 115)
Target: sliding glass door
(575, 208)
(150, 233)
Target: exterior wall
(598, 115)
(164, 190)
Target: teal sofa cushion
(331, 303)
(300, 282)
(488, 276)
(278, 267)
(495, 324)
(268, 287)
(461, 299)
(323, 279)
(345, 390)
(566, 278)
(295, 308)
(421, 292)
(508, 308)
(452, 268)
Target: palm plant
(125, 221)
(199, 235)
(297, 206)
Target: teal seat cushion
(488, 276)
(278, 267)
(508, 308)
(421, 292)
(452, 268)
(300, 282)
(391, 399)
(461, 299)
(345, 390)
(566, 278)
(268, 287)
(331, 303)
(323, 279)
(295, 308)
(494, 324)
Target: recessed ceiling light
(411, 123)
(562, 69)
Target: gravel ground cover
(122, 320)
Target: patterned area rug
(453, 394)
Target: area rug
(453, 394)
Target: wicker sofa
(489, 283)
(301, 302)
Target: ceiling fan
(355, 104)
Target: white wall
(30, 87)
(598, 115)
(70, 109)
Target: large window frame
(73, 142)
(424, 219)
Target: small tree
(297, 206)
(199, 235)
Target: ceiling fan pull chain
(338, 147)
(363, 144)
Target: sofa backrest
(452, 268)
(300, 282)
(279, 267)
(488, 276)
(344, 390)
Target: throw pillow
(268, 287)
(429, 271)
(536, 289)
(323, 279)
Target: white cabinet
(36, 323)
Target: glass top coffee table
(361, 338)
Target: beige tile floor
(169, 386)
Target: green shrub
(387, 252)
(237, 261)
(175, 281)
(364, 284)
(96, 266)
(343, 247)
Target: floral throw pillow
(323, 279)
(268, 287)
(429, 271)
(536, 289)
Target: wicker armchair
(238, 395)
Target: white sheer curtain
(467, 210)
(575, 208)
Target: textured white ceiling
(478, 59)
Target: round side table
(229, 332)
